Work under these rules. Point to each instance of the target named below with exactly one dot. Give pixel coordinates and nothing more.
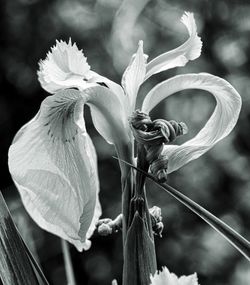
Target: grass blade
(15, 266)
(239, 242)
(35, 265)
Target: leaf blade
(15, 266)
(236, 240)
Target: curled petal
(53, 164)
(190, 50)
(134, 75)
(65, 66)
(219, 125)
(164, 277)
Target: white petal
(219, 125)
(53, 164)
(108, 114)
(164, 277)
(134, 75)
(64, 67)
(188, 280)
(114, 87)
(190, 50)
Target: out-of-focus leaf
(15, 266)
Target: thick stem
(127, 182)
(142, 163)
(138, 240)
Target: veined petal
(164, 277)
(190, 50)
(53, 164)
(108, 115)
(219, 125)
(65, 66)
(134, 75)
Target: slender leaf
(38, 270)
(15, 265)
(239, 242)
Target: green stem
(138, 246)
(127, 183)
(68, 264)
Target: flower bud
(104, 230)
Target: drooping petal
(164, 277)
(134, 75)
(190, 50)
(53, 164)
(65, 66)
(219, 125)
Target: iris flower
(52, 158)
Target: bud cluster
(156, 218)
(153, 135)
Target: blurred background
(108, 33)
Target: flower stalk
(68, 263)
(139, 239)
(139, 248)
(138, 242)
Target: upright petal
(164, 277)
(114, 87)
(190, 50)
(134, 75)
(53, 164)
(108, 114)
(219, 125)
(65, 66)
